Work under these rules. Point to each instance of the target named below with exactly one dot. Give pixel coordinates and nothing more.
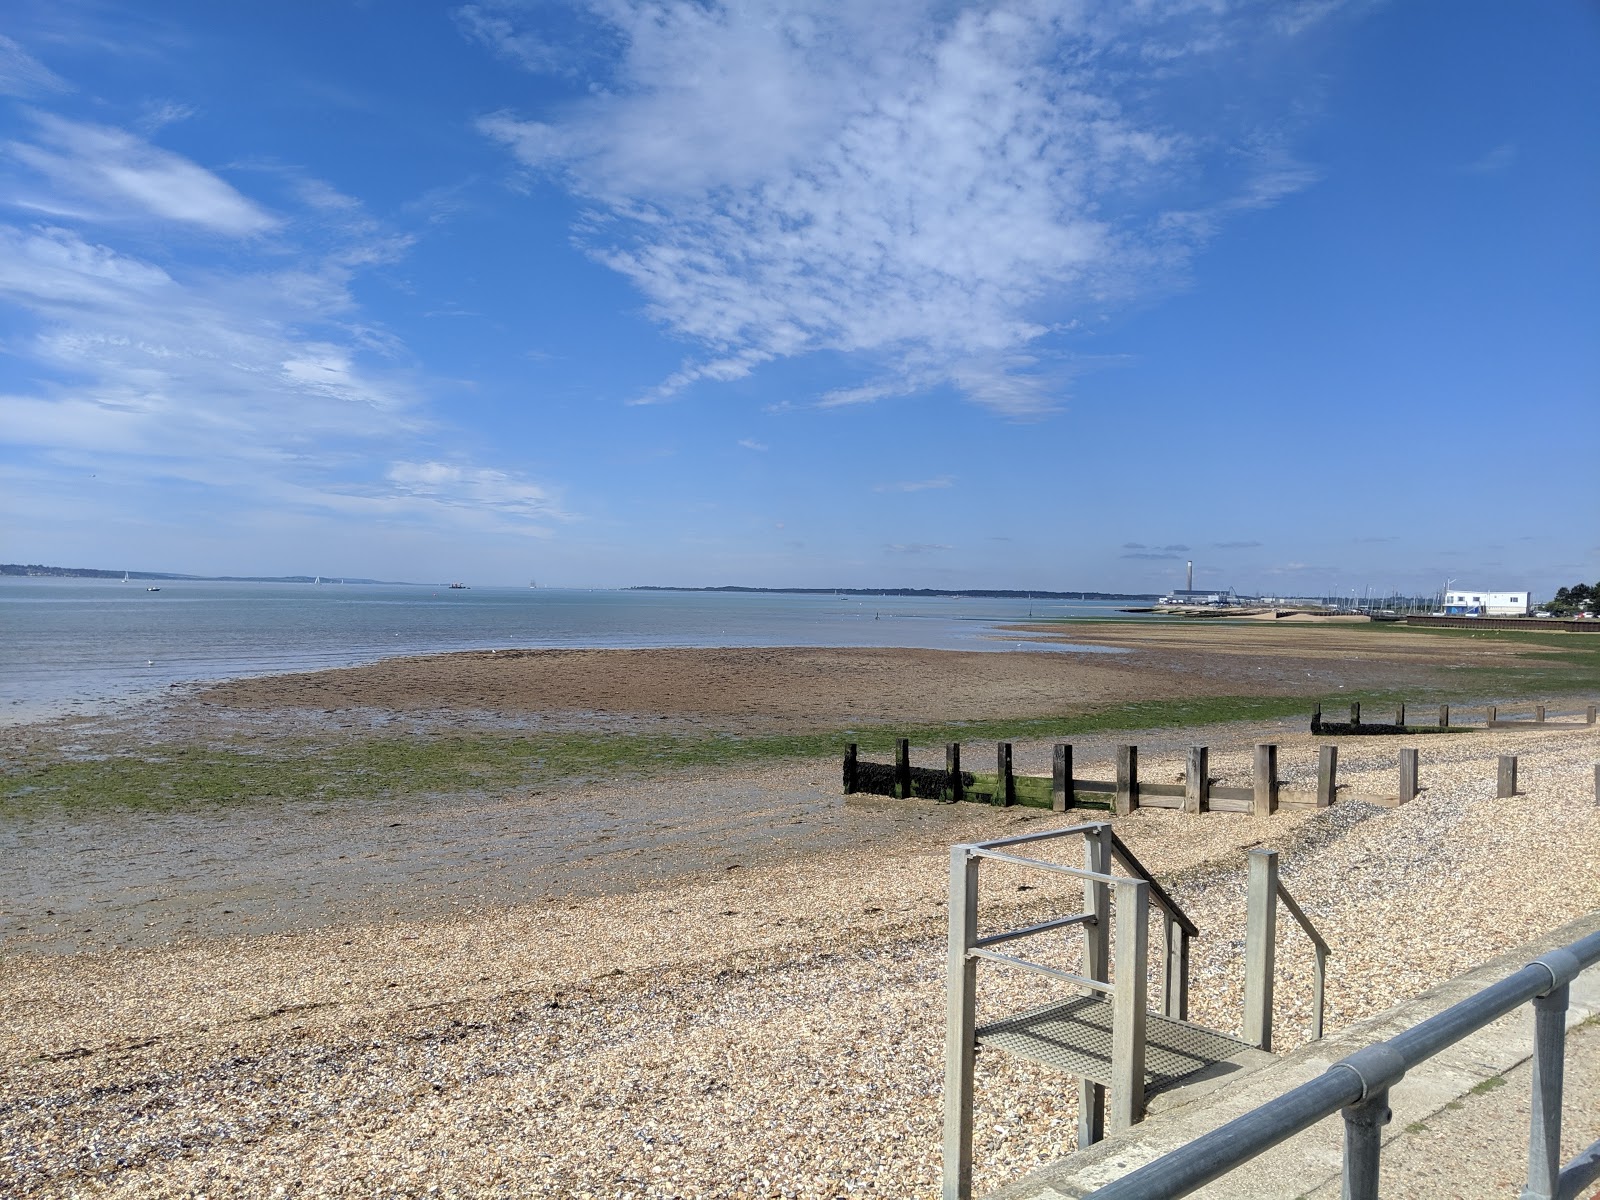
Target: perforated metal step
(1075, 1036)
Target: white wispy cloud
(752, 444)
(916, 547)
(1501, 158)
(23, 75)
(98, 172)
(917, 485)
(260, 379)
(931, 192)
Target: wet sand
(119, 879)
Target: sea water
(73, 645)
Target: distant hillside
(35, 569)
(984, 593)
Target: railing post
(1061, 794)
(1444, 716)
(1506, 777)
(1400, 715)
(1538, 714)
(960, 1042)
(1096, 964)
(1408, 776)
(1591, 714)
(1363, 1140)
(1260, 946)
(1544, 1128)
(1491, 714)
(1355, 713)
(1128, 1004)
(1175, 975)
(902, 768)
(850, 769)
(1265, 799)
(1197, 780)
(1006, 790)
(1127, 779)
(1327, 775)
(952, 771)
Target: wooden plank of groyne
(1266, 777)
(1148, 801)
(1327, 775)
(1220, 791)
(1197, 780)
(1225, 804)
(1127, 779)
(1162, 789)
(1061, 778)
(1294, 798)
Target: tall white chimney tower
(1191, 575)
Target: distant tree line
(1580, 597)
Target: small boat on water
(152, 589)
(458, 587)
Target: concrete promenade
(1460, 1128)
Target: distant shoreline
(977, 593)
(37, 571)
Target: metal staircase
(1104, 1033)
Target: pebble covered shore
(774, 1029)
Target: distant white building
(1487, 604)
(1191, 596)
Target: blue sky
(943, 295)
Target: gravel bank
(767, 1028)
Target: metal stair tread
(1074, 1036)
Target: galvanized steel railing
(1358, 1087)
(1127, 996)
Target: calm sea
(75, 645)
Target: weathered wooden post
(1444, 716)
(1061, 778)
(1538, 714)
(850, 769)
(1400, 715)
(1127, 779)
(1197, 781)
(1265, 799)
(1316, 718)
(1006, 790)
(952, 770)
(902, 768)
(1590, 714)
(1260, 946)
(1408, 776)
(1355, 713)
(1491, 714)
(1327, 775)
(1506, 779)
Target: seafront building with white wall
(1468, 603)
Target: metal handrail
(1359, 1084)
(1158, 894)
(1319, 980)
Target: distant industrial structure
(1487, 604)
(1187, 595)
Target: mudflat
(718, 981)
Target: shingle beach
(765, 1021)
